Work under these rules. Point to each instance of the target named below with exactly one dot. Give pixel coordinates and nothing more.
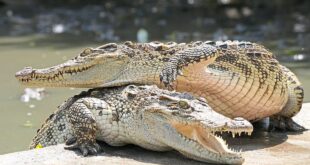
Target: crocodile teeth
(55, 75)
(61, 73)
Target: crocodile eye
(183, 104)
(86, 52)
(111, 47)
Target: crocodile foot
(86, 147)
(285, 124)
(169, 75)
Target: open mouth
(195, 134)
(205, 140)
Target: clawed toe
(293, 126)
(86, 148)
(285, 124)
(71, 140)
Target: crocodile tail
(296, 94)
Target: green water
(17, 126)
(19, 122)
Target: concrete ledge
(261, 148)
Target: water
(18, 120)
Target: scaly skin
(238, 79)
(147, 116)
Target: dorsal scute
(251, 50)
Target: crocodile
(146, 116)
(237, 78)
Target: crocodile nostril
(24, 72)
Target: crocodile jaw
(72, 74)
(194, 136)
(195, 141)
(211, 148)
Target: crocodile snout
(238, 125)
(27, 71)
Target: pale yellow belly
(233, 96)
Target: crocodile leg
(285, 123)
(84, 127)
(185, 57)
(283, 120)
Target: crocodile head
(91, 68)
(191, 127)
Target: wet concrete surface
(262, 148)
